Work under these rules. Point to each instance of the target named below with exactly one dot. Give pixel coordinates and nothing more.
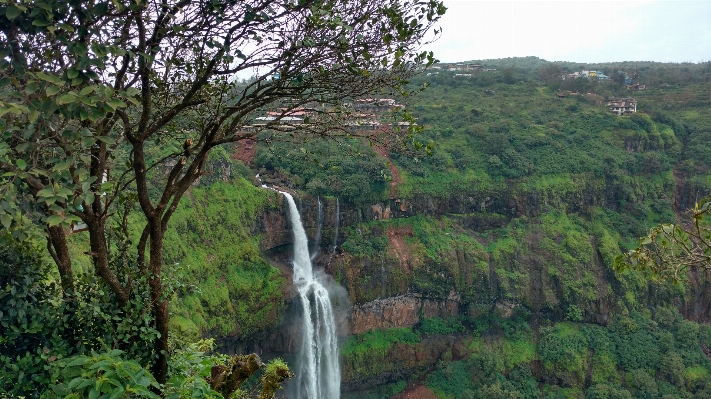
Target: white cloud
(583, 31)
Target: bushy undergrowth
(81, 343)
(438, 325)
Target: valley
(484, 269)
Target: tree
(109, 103)
(551, 74)
(670, 250)
(508, 75)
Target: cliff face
(406, 260)
(399, 311)
(400, 361)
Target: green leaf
(45, 192)
(21, 164)
(54, 220)
(67, 98)
(63, 191)
(66, 27)
(73, 383)
(31, 87)
(50, 78)
(12, 12)
(52, 90)
(6, 206)
(6, 220)
(118, 391)
(23, 147)
(87, 141)
(62, 165)
(41, 21)
(100, 9)
(115, 103)
(87, 90)
(107, 139)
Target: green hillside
(526, 200)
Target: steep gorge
(498, 249)
(461, 262)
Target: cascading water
(338, 219)
(319, 227)
(318, 373)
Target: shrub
(440, 326)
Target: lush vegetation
(526, 203)
(227, 287)
(491, 135)
(655, 354)
(86, 345)
(517, 216)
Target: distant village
(368, 111)
(367, 114)
(620, 106)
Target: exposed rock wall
(399, 311)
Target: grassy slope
(227, 287)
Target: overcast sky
(579, 31)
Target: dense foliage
(652, 355)
(525, 204)
(517, 216)
(40, 326)
(52, 345)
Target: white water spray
(338, 219)
(318, 374)
(319, 226)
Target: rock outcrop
(399, 311)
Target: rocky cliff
(546, 250)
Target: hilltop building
(622, 106)
(585, 74)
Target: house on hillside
(636, 86)
(460, 67)
(622, 106)
(585, 74)
(376, 104)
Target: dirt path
(245, 151)
(393, 170)
(416, 392)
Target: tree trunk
(159, 303)
(57, 245)
(100, 254)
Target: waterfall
(319, 226)
(338, 219)
(383, 277)
(318, 374)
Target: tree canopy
(107, 106)
(669, 251)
